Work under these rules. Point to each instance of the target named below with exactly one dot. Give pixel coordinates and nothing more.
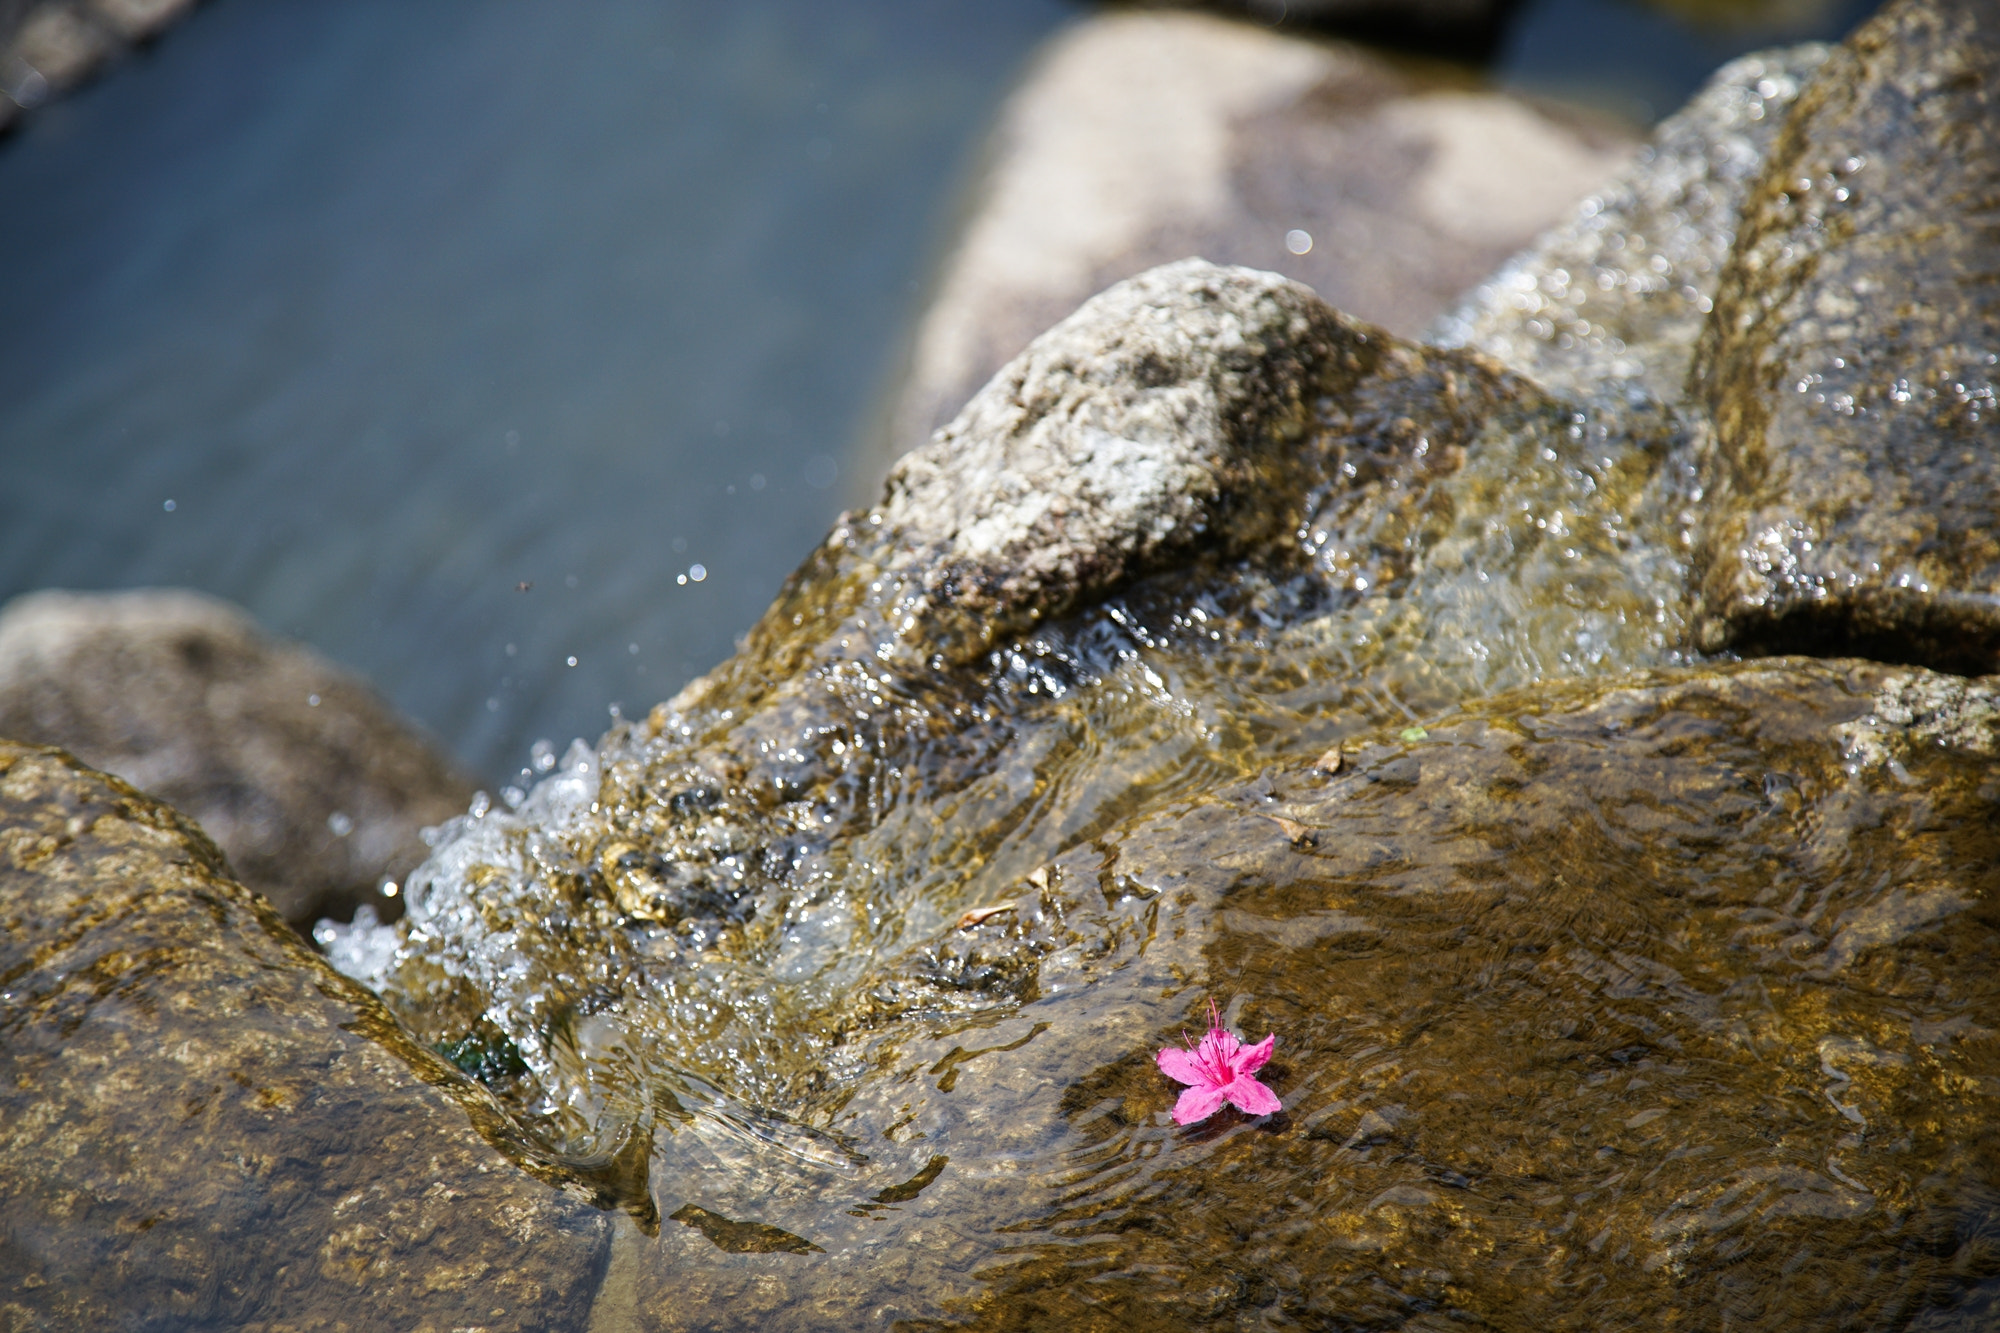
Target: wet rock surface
(1640, 1005)
(1228, 647)
(884, 747)
(1613, 300)
(204, 1126)
(314, 788)
(1852, 364)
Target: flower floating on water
(1219, 1070)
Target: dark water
(1643, 60)
(402, 307)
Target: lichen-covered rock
(314, 788)
(1166, 416)
(202, 1125)
(1853, 360)
(1614, 300)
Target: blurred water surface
(403, 306)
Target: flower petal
(1253, 1058)
(1198, 1104)
(1182, 1067)
(1249, 1096)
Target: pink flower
(1219, 1070)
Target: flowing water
(400, 309)
(1614, 988)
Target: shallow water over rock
(1227, 647)
(1606, 1008)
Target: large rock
(202, 1125)
(314, 788)
(1141, 138)
(1843, 385)
(1852, 366)
(1205, 525)
(1196, 432)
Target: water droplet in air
(697, 572)
(1298, 241)
(168, 506)
(340, 823)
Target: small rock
(314, 788)
(60, 43)
(54, 46)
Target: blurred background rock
(1140, 138)
(52, 46)
(315, 790)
